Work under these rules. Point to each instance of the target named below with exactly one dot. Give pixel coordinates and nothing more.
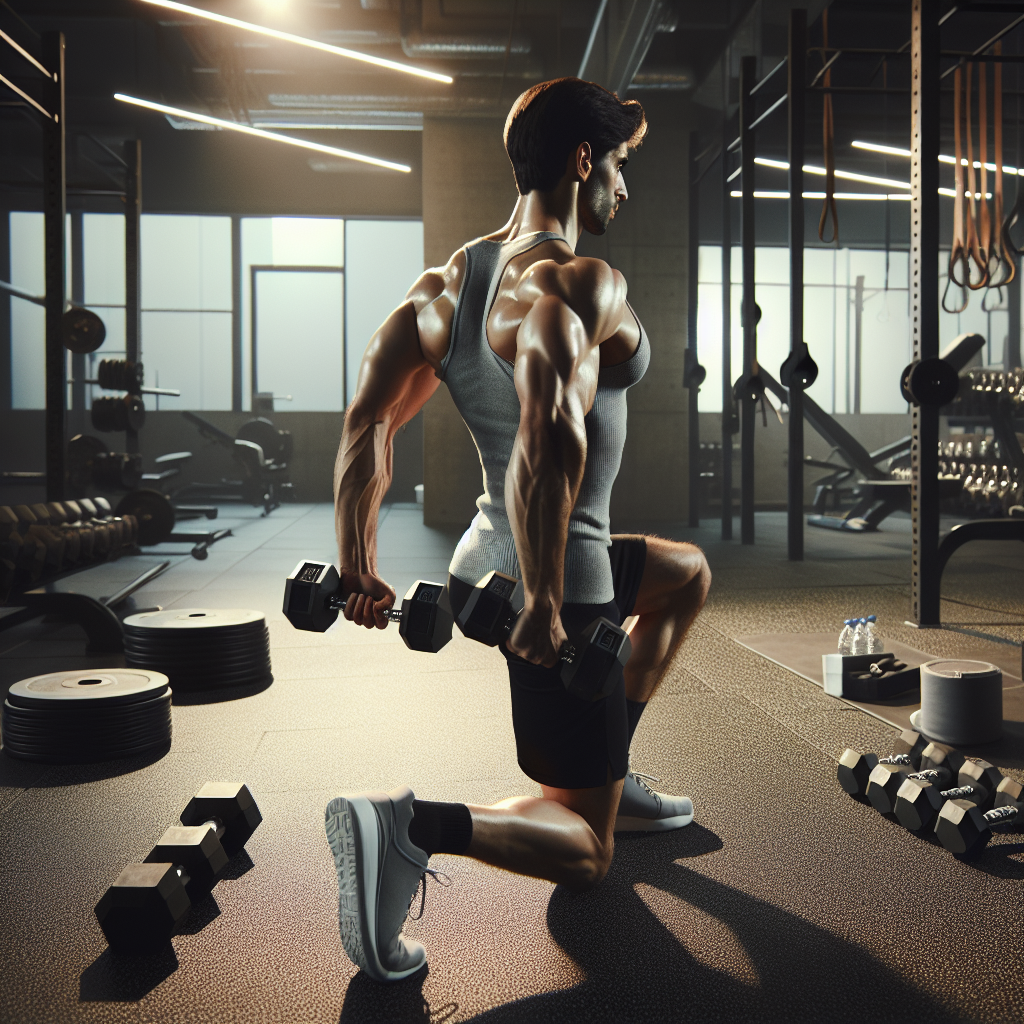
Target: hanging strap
(958, 264)
(972, 242)
(828, 132)
(1005, 269)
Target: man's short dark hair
(548, 122)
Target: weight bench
(261, 481)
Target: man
(537, 347)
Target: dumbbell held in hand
(590, 668)
(313, 600)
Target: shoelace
(642, 778)
(421, 887)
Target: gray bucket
(961, 701)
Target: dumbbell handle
(936, 776)
(392, 614)
(1001, 815)
(566, 653)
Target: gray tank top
(482, 386)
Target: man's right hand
(538, 636)
(368, 600)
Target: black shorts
(561, 740)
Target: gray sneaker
(379, 872)
(643, 810)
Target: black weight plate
(44, 756)
(197, 652)
(172, 621)
(134, 412)
(75, 742)
(82, 331)
(154, 513)
(224, 682)
(102, 717)
(116, 686)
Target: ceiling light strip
(875, 147)
(868, 179)
(28, 56)
(28, 99)
(288, 37)
(260, 134)
(876, 197)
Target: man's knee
(591, 869)
(692, 574)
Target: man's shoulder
(585, 283)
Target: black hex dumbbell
(886, 779)
(921, 797)
(855, 768)
(590, 667)
(964, 829)
(312, 600)
(142, 910)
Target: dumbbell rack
(55, 560)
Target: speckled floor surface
(784, 901)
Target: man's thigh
(670, 567)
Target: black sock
(439, 827)
(634, 709)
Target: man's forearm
(362, 477)
(543, 479)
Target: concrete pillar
(647, 242)
(468, 191)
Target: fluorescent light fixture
(260, 134)
(340, 127)
(967, 195)
(868, 179)
(288, 37)
(821, 195)
(875, 147)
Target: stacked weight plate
(201, 648)
(82, 717)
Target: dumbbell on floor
(919, 799)
(965, 830)
(312, 601)
(142, 910)
(590, 668)
(855, 768)
(886, 778)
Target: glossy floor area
(783, 901)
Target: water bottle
(846, 636)
(859, 644)
(874, 640)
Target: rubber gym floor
(785, 900)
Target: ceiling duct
(474, 47)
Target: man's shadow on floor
(746, 960)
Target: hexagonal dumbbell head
(308, 593)
(489, 611)
(935, 755)
(965, 830)
(230, 806)
(912, 744)
(854, 770)
(1009, 793)
(919, 798)
(197, 849)
(427, 618)
(885, 780)
(143, 908)
(978, 773)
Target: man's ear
(584, 164)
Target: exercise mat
(201, 648)
(87, 716)
(801, 653)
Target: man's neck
(546, 211)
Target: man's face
(603, 190)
